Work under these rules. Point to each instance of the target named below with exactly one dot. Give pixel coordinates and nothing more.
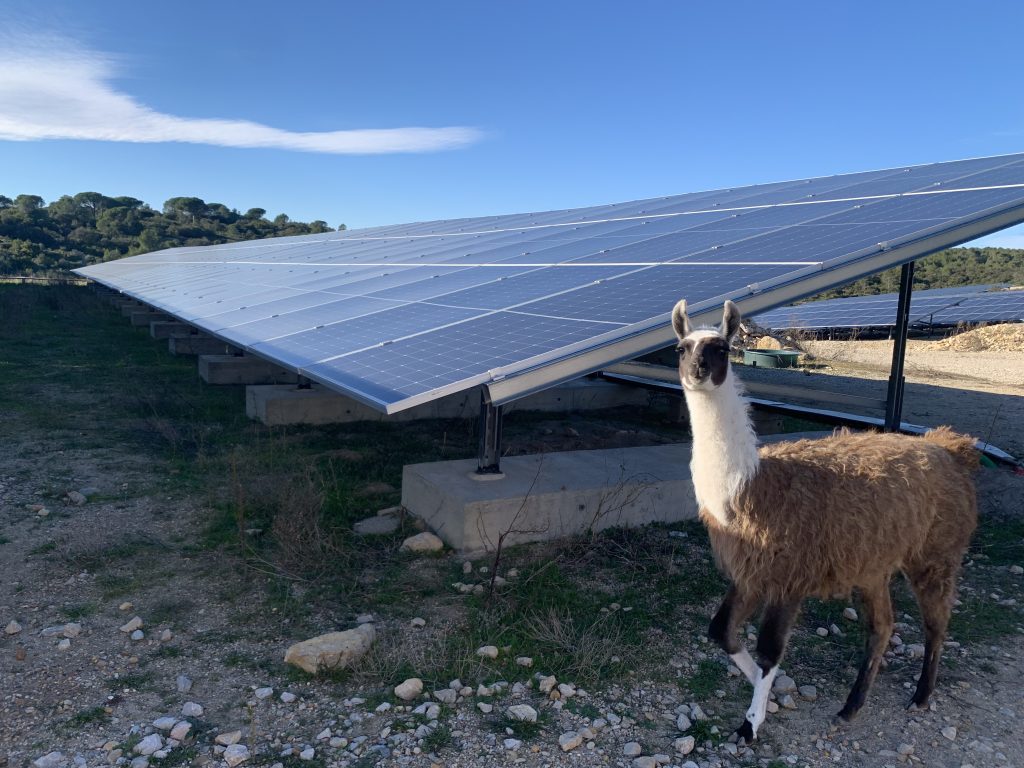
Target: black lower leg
(929, 672)
(734, 610)
(877, 607)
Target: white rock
(772, 707)
(338, 742)
(455, 685)
(949, 732)
(446, 695)
(180, 730)
(809, 692)
(191, 709)
(821, 632)
(631, 749)
(784, 684)
(835, 630)
(63, 645)
(149, 745)
(522, 712)
(484, 707)
(422, 542)
(76, 498)
(418, 622)
(263, 693)
(229, 738)
(647, 761)
(905, 749)
(307, 754)
(137, 635)
(483, 690)
(547, 684)
(236, 754)
(895, 641)
(914, 650)
(184, 684)
(165, 723)
(365, 618)
(287, 697)
(1016, 570)
(683, 723)
(487, 652)
(125, 606)
(850, 613)
(410, 689)
(166, 636)
(334, 650)
(140, 762)
(787, 702)
(569, 741)
(72, 629)
(378, 525)
(567, 690)
(524, 661)
(131, 625)
(13, 628)
(512, 744)
(684, 745)
(49, 760)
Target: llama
(819, 518)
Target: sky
(386, 112)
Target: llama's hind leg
(934, 588)
(877, 606)
(735, 609)
(771, 644)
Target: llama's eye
(681, 351)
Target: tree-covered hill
(75, 230)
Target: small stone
(446, 695)
(418, 622)
(365, 618)
(114, 755)
(184, 684)
(49, 760)
(821, 632)
(772, 707)
(784, 684)
(334, 650)
(410, 689)
(905, 749)
(132, 625)
(684, 745)
(307, 754)
(149, 745)
(547, 684)
(1016, 570)
(229, 738)
(895, 641)
(632, 749)
(484, 707)
(914, 650)
(949, 732)
(180, 730)
(137, 635)
(236, 754)
(787, 702)
(166, 636)
(142, 761)
(165, 723)
(512, 744)
(72, 629)
(63, 645)
(835, 630)
(647, 761)
(263, 693)
(378, 525)
(850, 613)
(191, 709)
(683, 723)
(13, 628)
(809, 692)
(338, 742)
(287, 697)
(422, 542)
(524, 661)
(487, 652)
(522, 712)
(569, 740)
(566, 690)
(125, 606)
(75, 498)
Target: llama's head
(704, 352)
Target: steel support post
(894, 396)
(490, 437)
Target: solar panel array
(998, 307)
(939, 306)
(400, 315)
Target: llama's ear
(680, 322)
(730, 320)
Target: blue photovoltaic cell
(998, 307)
(940, 306)
(400, 314)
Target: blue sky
(470, 108)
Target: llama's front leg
(877, 607)
(771, 644)
(735, 609)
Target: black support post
(490, 438)
(894, 396)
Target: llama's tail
(960, 446)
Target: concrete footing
(144, 318)
(278, 405)
(164, 329)
(234, 369)
(549, 496)
(198, 345)
(130, 307)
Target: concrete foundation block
(550, 496)
(234, 369)
(144, 318)
(130, 307)
(198, 345)
(164, 329)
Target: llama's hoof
(743, 735)
(914, 706)
(843, 717)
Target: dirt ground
(621, 615)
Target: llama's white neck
(724, 445)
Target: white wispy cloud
(51, 88)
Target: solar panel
(998, 307)
(403, 314)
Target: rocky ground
(159, 562)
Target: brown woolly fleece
(823, 517)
